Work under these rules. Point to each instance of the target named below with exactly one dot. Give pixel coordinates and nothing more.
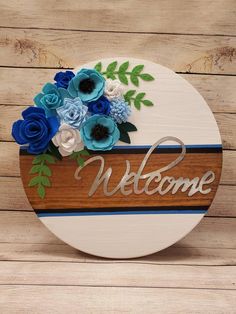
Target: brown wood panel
(66, 192)
(218, 91)
(49, 48)
(170, 16)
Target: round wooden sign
(139, 198)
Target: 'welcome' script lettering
(130, 181)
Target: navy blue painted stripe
(147, 212)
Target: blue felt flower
(73, 112)
(100, 106)
(35, 130)
(120, 110)
(63, 78)
(88, 85)
(51, 98)
(99, 133)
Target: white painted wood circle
(180, 111)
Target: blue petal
(49, 88)
(105, 144)
(31, 110)
(37, 99)
(54, 124)
(16, 134)
(63, 93)
(107, 122)
(116, 135)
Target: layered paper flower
(73, 112)
(100, 133)
(68, 140)
(100, 106)
(88, 85)
(113, 89)
(51, 98)
(120, 110)
(63, 78)
(35, 130)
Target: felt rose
(51, 98)
(35, 130)
(99, 133)
(67, 140)
(73, 112)
(63, 78)
(113, 89)
(120, 110)
(100, 106)
(88, 85)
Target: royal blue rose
(36, 130)
(51, 98)
(100, 106)
(88, 85)
(63, 78)
(99, 133)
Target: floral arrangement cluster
(77, 113)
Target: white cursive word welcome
(129, 183)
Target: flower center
(99, 132)
(86, 86)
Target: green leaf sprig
(113, 72)
(78, 156)
(43, 172)
(124, 128)
(137, 99)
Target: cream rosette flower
(68, 140)
(113, 89)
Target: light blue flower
(88, 85)
(51, 98)
(99, 133)
(120, 110)
(73, 112)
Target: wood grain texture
(9, 160)
(57, 49)
(169, 16)
(68, 299)
(133, 274)
(218, 91)
(25, 227)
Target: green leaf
(123, 78)
(74, 155)
(128, 127)
(54, 151)
(137, 104)
(147, 103)
(129, 94)
(112, 66)
(140, 96)
(49, 158)
(45, 181)
(111, 75)
(37, 160)
(45, 170)
(35, 169)
(124, 66)
(34, 181)
(98, 67)
(134, 79)
(137, 69)
(80, 162)
(124, 137)
(84, 152)
(41, 191)
(146, 77)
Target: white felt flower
(113, 89)
(68, 140)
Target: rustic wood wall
(40, 274)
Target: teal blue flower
(99, 133)
(88, 85)
(51, 98)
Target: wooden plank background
(39, 273)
